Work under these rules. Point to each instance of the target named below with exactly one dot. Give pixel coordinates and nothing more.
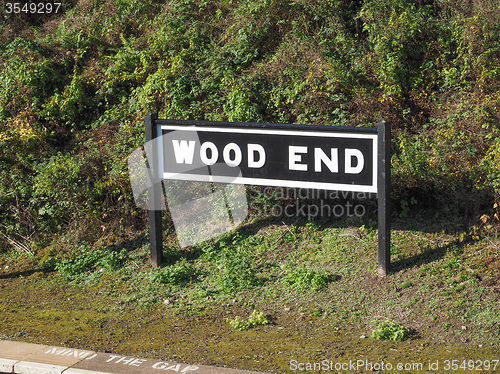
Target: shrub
(58, 191)
(96, 68)
(491, 165)
(69, 106)
(397, 39)
(27, 77)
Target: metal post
(154, 196)
(384, 197)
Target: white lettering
(349, 154)
(226, 154)
(73, 353)
(204, 156)
(137, 362)
(183, 151)
(294, 158)
(159, 365)
(331, 162)
(256, 148)
(125, 361)
(174, 367)
(111, 358)
(63, 351)
(53, 350)
(69, 352)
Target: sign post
(353, 159)
(154, 194)
(384, 197)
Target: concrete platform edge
(27, 358)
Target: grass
(322, 287)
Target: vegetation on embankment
(75, 86)
(74, 89)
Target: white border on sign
(265, 181)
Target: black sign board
(301, 156)
(313, 157)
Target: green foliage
(303, 279)
(255, 319)
(389, 330)
(58, 191)
(234, 262)
(86, 260)
(237, 269)
(68, 106)
(491, 164)
(178, 274)
(241, 107)
(398, 35)
(73, 94)
(73, 39)
(26, 79)
(413, 157)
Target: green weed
(255, 319)
(303, 279)
(389, 330)
(87, 260)
(236, 270)
(177, 274)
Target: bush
(74, 91)
(69, 106)
(27, 78)
(58, 191)
(491, 165)
(398, 39)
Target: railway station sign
(298, 156)
(334, 158)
